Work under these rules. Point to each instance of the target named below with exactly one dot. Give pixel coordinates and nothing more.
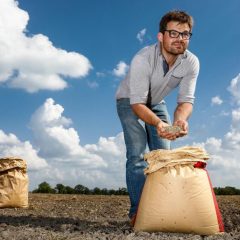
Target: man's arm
(146, 115)
(181, 115)
(186, 95)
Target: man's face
(172, 44)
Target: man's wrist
(179, 120)
(158, 123)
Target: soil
(55, 216)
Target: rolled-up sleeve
(139, 77)
(187, 85)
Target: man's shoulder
(147, 51)
(146, 55)
(191, 62)
(190, 57)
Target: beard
(175, 48)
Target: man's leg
(135, 140)
(154, 141)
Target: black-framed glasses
(175, 34)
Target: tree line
(226, 191)
(45, 187)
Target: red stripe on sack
(200, 165)
(219, 216)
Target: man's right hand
(161, 131)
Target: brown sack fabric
(177, 195)
(13, 183)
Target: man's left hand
(183, 125)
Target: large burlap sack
(13, 183)
(178, 195)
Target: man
(154, 72)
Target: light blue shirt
(146, 70)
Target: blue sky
(62, 62)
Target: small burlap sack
(178, 195)
(13, 183)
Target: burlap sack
(13, 183)
(177, 195)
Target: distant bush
(226, 191)
(45, 187)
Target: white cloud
(224, 113)
(214, 143)
(108, 146)
(32, 62)
(224, 164)
(232, 138)
(10, 145)
(216, 100)
(121, 69)
(100, 164)
(93, 84)
(236, 117)
(234, 89)
(56, 139)
(100, 74)
(141, 35)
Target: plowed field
(54, 216)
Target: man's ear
(160, 37)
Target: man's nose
(180, 36)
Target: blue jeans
(138, 137)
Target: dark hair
(177, 16)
